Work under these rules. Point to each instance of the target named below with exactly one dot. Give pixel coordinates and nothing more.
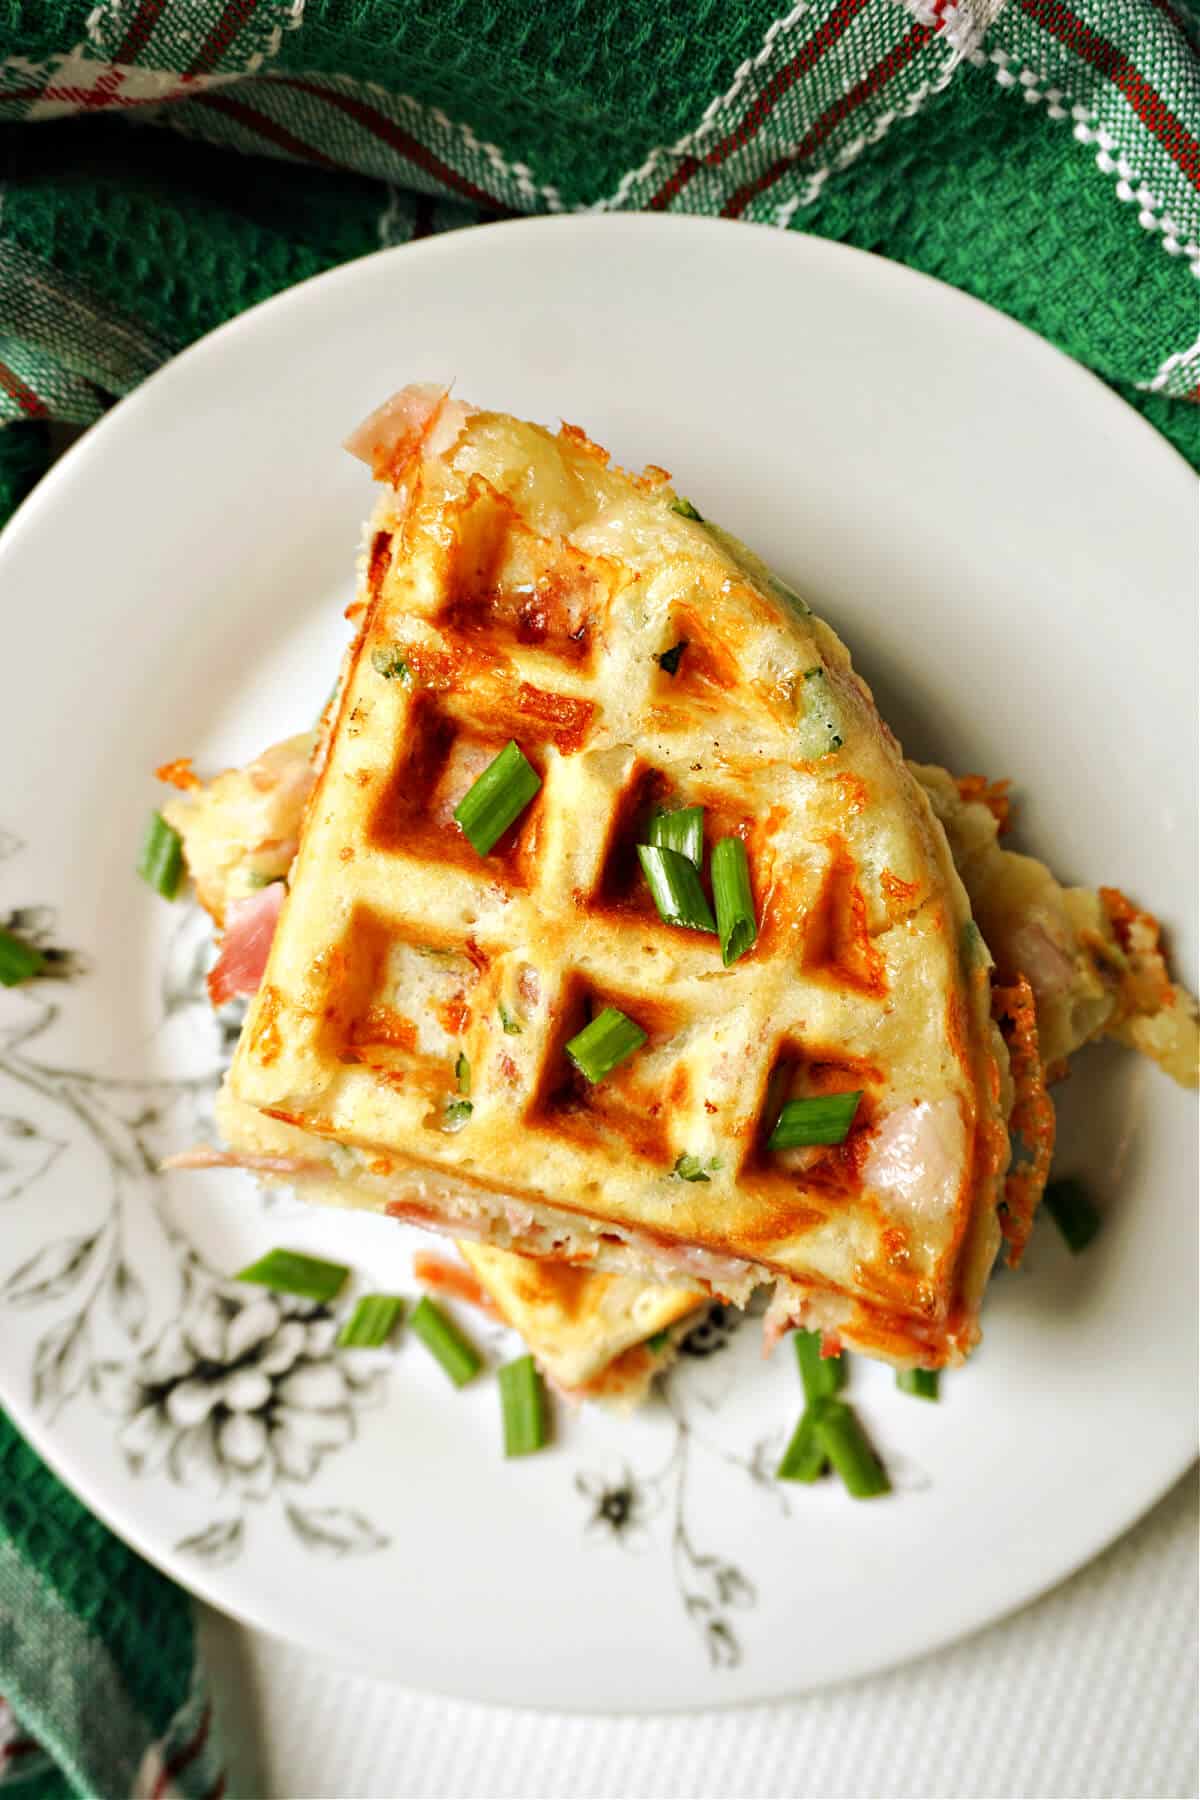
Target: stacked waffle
(498, 1004)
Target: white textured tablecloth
(1089, 1693)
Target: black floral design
(709, 1585)
(25, 1155)
(622, 1507)
(242, 1395)
(711, 1334)
(244, 1390)
(128, 1122)
(241, 1392)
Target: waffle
(1094, 959)
(526, 588)
(598, 1336)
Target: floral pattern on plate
(242, 1395)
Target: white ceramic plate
(1008, 551)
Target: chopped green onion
(18, 961)
(387, 661)
(523, 1404)
(658, 1342)
(607, 1041)
(292, 1272)
(819, 1119)
(736, 924)
(974, 951)
(804, 1459)
(674, 884)
(1073, 1213)
(845, 1443)
(442, 1338)
(670, 659)
(458, 1111)
(371, 1323)
(160, 860)
(509, 1024)
(462, 1073)
(497, 798)
(789, 594)
(689, 1168)
(682, 830)
(686, 510)
(819, 729)
(923, 1383)
(821, 1375)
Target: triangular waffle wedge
(519, 587)
(598, 1336)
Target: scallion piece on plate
(523, 1404)
(686, 510)
(804, 1459)
(736, 924)
(509, 1023)
(818, 1119)
(462, 1073)
(674, 883)
(658, 1342)
(688, 1167)
(18, 960)
(1073, 1213)
(292, 1272)
(670, 659)
(681, 830)
(498, 798)
(845, 1443)
(607, 1041)
(160, 860)
(923, 1383)
(821, 1375)
(442, 1338)
(371, 1323)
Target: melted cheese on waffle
(1092, 958)
(575, 1321)
(528, 589)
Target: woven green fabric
(167, 163)
(102, 1694)
(1044, 156)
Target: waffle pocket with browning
(419, 996)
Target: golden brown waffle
(588, 1330)
(528, 588)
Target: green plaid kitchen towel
(166, 163)
(102, 1693)
(1042, 154)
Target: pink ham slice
(249, 928)
(420, 420)
(203, 1156)
(916, 1159)
(1045, 961)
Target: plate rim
(867, 261)
(927, 1645)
